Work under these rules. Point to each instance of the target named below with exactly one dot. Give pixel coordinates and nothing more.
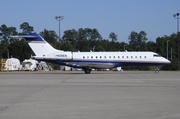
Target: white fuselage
(105, 59)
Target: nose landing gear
(157, 70)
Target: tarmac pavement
(99, 95)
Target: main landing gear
(87, 71)
(157, 70)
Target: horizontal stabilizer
(23, 36)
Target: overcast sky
(155, 17)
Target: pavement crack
(22, 98)
(66, 79)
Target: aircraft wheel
(87, 71)
(157, 71)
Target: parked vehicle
(12, 64)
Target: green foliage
(26, 28)
(113, 37)
(138, 41)
(5, 33)
(66, 46)
(20, 50)
(81, 40)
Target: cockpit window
(156, 55)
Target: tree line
(87, 39)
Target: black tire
(87, 71)
(157, 71)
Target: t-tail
(39, 46)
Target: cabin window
(127, 56)
(114, 57)
(118, 57)
(135, 56)
(91, 57)
(83, 57)
(131, 56)
(88, 57)
(109, 56)
(96, 57)
(105, 57)
(139, 56)
(144, 56)
(100, 57)
(122, 56)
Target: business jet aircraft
(90, 60)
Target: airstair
(43, 66)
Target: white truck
(12, 64)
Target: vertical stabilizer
(39, 46)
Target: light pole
(167, 49)
(171, 53)
(94, 48)
(7, 53)
(124, 47)
(59, 18)
(176, 16)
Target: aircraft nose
(167, 61)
